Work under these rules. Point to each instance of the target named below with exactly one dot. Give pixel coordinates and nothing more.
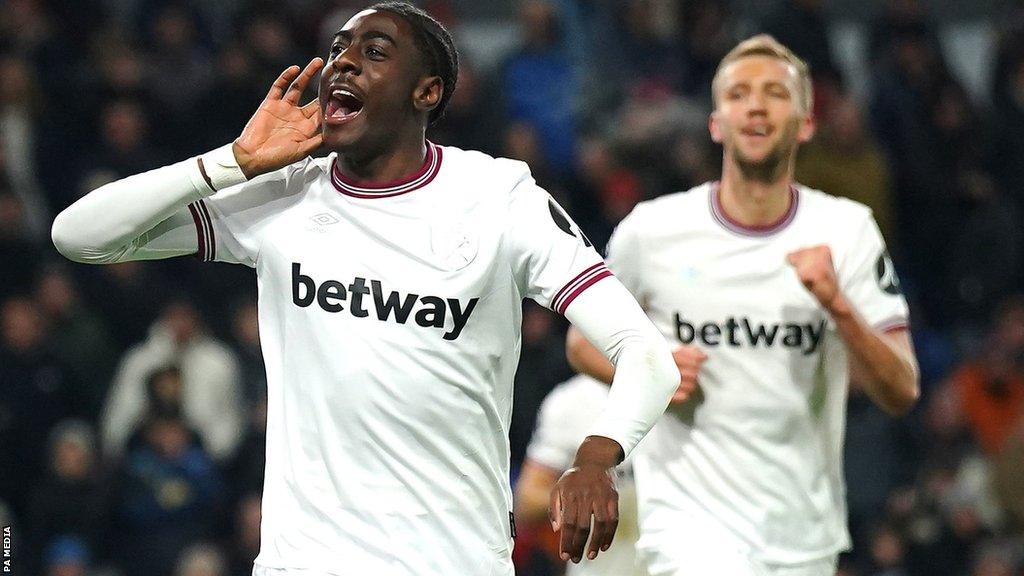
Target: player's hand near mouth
(281, 131)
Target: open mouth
(760, 130)
(342, 105)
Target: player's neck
(752, 202)
(394, 163)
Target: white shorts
(708, 549)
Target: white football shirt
(564, 420)
(390, 324)
(759, 448)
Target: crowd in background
(132, 396)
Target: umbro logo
(324, 219)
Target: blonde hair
(766, 45)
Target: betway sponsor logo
(431, 311)
(805, 337)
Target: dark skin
(375, 57)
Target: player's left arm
(554, 263)
(645, 379)
(882, 361)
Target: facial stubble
(774, 165)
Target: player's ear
(427, 93)
(808, 127)
(715, 128)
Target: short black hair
(436, 44)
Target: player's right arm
(533, 491)
(585, 358)
(148, 216)
(624, 259)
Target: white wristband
(222, 168)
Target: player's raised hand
(587, 492)
(281, 131)
(817, 273)
(688, 360)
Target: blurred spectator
(201, 560)
(168, 495)
(844, 160)
(37, 393)
(987, 252)
(19, 252)
(67, 556)
(540, 85)
(182, 71)
(211, 394)
(246, 469)
(71, 498)
(947, 516)
(801, 26)
(888, 554)
(900, 18)
(1008, 482)
(125, 147)
(542, 364)
(224, 107)
(521, 141)
(991, 387)
(470, 121)
(120, 70)
(246, 542)
(1007, 145)
(693, 160)
(129, 295)
(650, 119)
(920, 118)
(708, 33)
(875, 457)
(614, 188)
(650, 48)
(23, 135)
(945, 436)
(29, 30)
(997, 559)
(80, 338)
(245, 331)
(118, 78)
(266, 36)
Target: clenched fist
(817, 273)
(688, 360)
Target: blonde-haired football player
(778, 297)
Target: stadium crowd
(132, 401)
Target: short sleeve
(623, 254)
(231, 224)
(563, 422)
(553, 261)
(869, 279)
